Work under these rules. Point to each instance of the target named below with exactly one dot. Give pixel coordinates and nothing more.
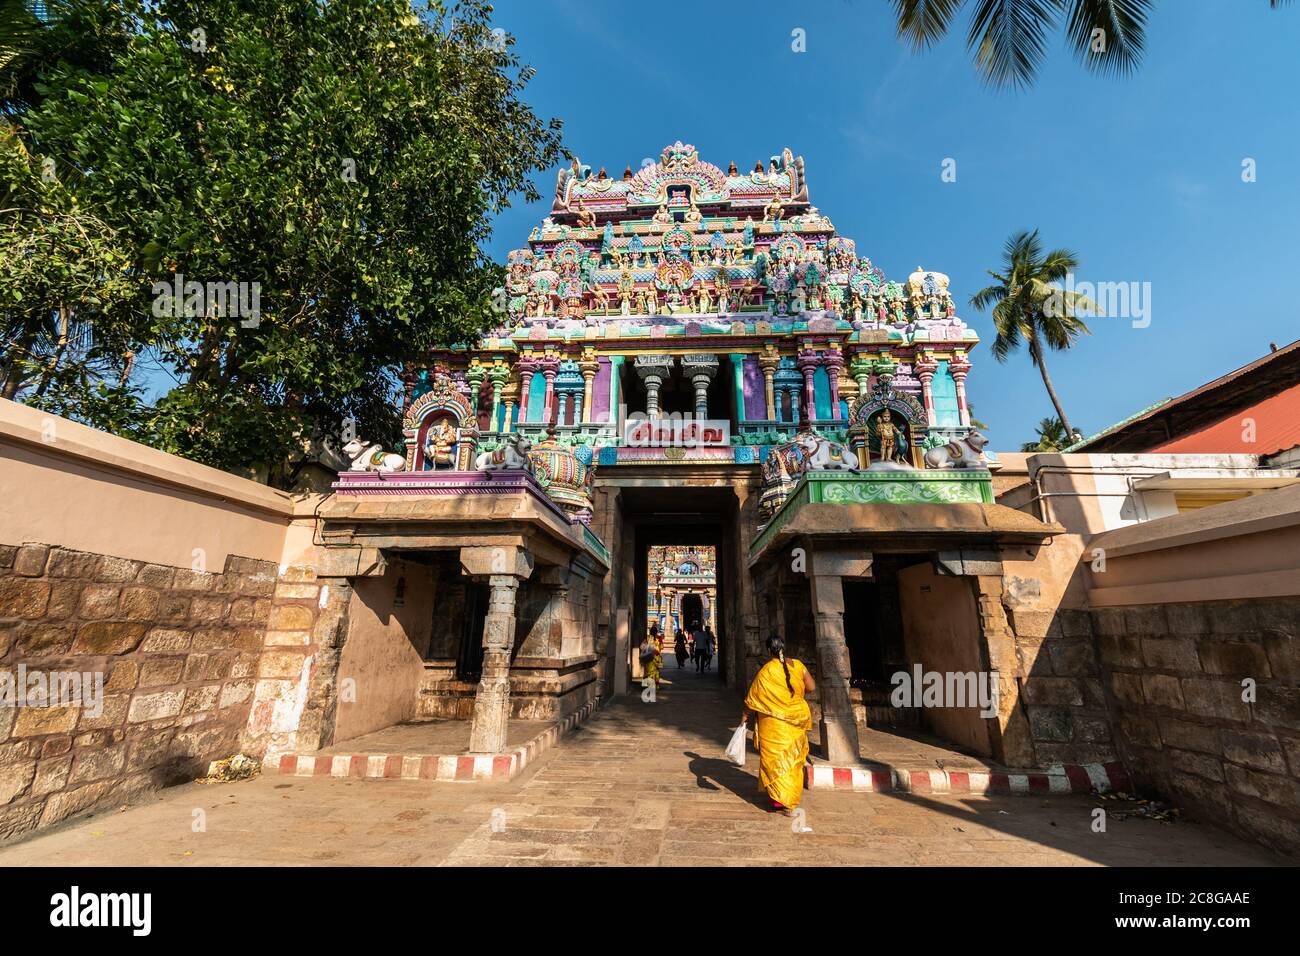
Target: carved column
(860, 372)
(808, 363)
(525, 380)
(768, 361)
(476, 375)
(838, 729)
(653, 369)
(548, 367)
(497, 375)
(959, 367)
(509, 395)
(701, 369)
(834, 361)
(738, 382)
(925, 367)
(504, 568)
(589, 366)
(615, 372)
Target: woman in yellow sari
(781, 730)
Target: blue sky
(1140, 177)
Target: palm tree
(1052, 436)
(1008, 37)
(1026, 308)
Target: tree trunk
(1035, 350)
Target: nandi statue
(512, 456)
(372, 457)
(822, 454)
(965, 452)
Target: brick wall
(1174, 677)
(179, 652)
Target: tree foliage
(343, 159)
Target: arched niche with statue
(887, 426)
(441, 430)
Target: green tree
(1028, 309)
(1052, 437)
(337, 165)
(1008, 38)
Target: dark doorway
(692, 612)
(469, 657)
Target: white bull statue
(512, 456)
(965, 452)
(370, 456)
(822, 454)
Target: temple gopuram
(689, 357)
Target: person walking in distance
(777, 699)
(710, 645)
(679, 648)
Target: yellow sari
(781, 731)
(654, 667)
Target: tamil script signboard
(675, 431)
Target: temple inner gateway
(702, 405)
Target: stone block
(1187, 620)
(113, 714)
(41, 639)
(72, 564)
(56, 746)
(1109, 622)
(1171, 654)
(1186, 735)
(51, 775)
(165, 671)
(1121, 650)
(108, 637)
(23, 597)
(1145, 620)
(1257, 751)
(1269, 827)
(40, 721)
(1128, 688)
(155, 706)
(199, 699)
(236, 693)
(30, 559)
(1051, 723)
(1141, 731)
(1213, 698)
(123, 676)
(15, 778)
(166, 639)
(1283, 650)
(1232, 617)
(60, 806)
(139, 603)
(1269, 787)
(187, 580)
(1235, 659)
(1162, 691)
(1203, 765)
(65, 597)
(156, 576)
(291, 617)
(97, 764)
(281, 664)
(1073, 658)
(1278, 705)
(99, 601)
(207, 610)
(117, 570)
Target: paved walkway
(638, 784)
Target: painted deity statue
(887, 433)
(440, 445)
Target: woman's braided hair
(776, 647)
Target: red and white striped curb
(1073, 778)
(462, 768)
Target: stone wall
(178, 651)
(1174, 676)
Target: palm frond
(925, 22)
(1009, 38)
(1117, 51)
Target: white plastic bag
(736, 748)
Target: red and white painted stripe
(456, 768)
(1072, 778)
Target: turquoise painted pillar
(738, 380)
(615, 369)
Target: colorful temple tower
(687, 357)
(723, 304)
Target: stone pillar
(925, 367)
(959, 367)
(615, 370)
(589, 366)
(653, 369)
(525, 380)
(563, 409)
(860, 371)
(701, 369)
(738, 380)
(498, 375)
(834, 362)
(808, 363)
(768, 362)
(838, 729)
(509, 395)
(549, 367)
(504, 568)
